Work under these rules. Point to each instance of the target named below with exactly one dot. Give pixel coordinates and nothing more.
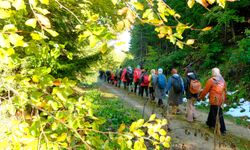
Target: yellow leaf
(114, 2)
(146, 13)
(138, 6)
(170, 11)
(207, 28)
(46, 2)
(62, 137)
(35, 78)
(203, 3)
(222, 3)
(168, 139)
(190, 3)
(36, 36)
(122, 11)
(121, 128)
(43, 20)
(19, 4)
(4, 14)
(41, 10)
(52, 32)
(161, 35)
(139, 133)
(9, 28)
(152, 117)
(190, 41)
(162, 139)
(5, 4)
(179, 44)
(166, 144)
(210, 1)
(162, 132)
(31, 23)
(104, 48)
(16, 40)
(156, 136)
(93, 40)
(5, 43)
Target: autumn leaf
(138, 6)
(31, 22)
(207, 28)
(191, 3)
(43, 20)
(190, 41)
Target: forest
(51, 52)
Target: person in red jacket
(112, 78)
(123, 77)
(137, 75)
(216, 87)
(144, 83)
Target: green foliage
(221, 43)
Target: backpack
(194, 86)
(153, 80)
(176, 84)
(129, 75)
(161, 81)
(145, 79)
(136, 75)
(219, 86)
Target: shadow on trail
(185, 135)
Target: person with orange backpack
(216, 87)
(144, 83)
(192, 87)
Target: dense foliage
(223, 42)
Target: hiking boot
(223, 133)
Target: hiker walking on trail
(160, 86)
(123, 77)
(137, 75)
(175, 90)
(152, 82)
(216, 87)
(108, 76)
(112, 78)
(192, 88)
(119, 76)
(144, 82)
(129, 78)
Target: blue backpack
(161, 81)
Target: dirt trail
(185, 135)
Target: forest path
(185, 135)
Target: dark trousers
(142, 90)
(152, 93)
(125, 85)
(136, 84)
(211, 120)
(119, 82)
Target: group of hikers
(156, 87)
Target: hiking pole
(144, 107)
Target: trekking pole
(144, 107)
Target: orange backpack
(219, 86)
(195, 86)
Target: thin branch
(62, 6)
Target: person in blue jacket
(175, 90)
